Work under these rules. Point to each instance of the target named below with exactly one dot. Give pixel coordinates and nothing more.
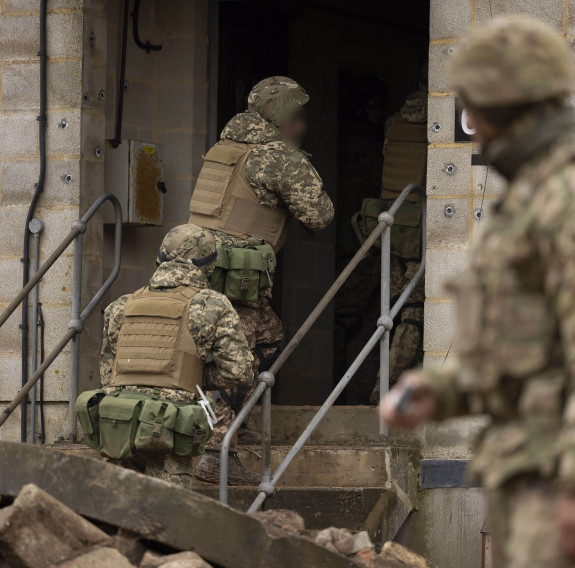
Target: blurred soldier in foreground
(515, 336)
(252, 182)
(147, 351)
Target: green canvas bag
(88, 412)
(405, 231)
(241, 274)
(126, 424)
(191, 431)
(118, 424)
(155, 433)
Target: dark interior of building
(337, 50)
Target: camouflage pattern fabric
(262, 327)
(358, 303)
(414, 108)
(280, 174)
(213, 323)
(515, 337)
(277, 99)
(225, 416)
(522, 519)
(171, 468)
(188, 244)
(512, 60)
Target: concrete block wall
(71, 178)
(165, 102)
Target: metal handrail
(78, 318)
(384, 325)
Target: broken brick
(38, 531)
(180, 560)
(99, 558)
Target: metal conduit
(381, 335)
(77, 323)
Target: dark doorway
(325, 45)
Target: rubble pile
(38, 531)
(356, 546)
(63, 511)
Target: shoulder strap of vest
(182, 293)
(140, 292)
(188, 291)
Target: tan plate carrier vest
(224, 201)
(405, 159)
(155, 347)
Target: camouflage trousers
(522, 518)
(264, 334)
(174, 469)
(358, 307)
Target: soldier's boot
(208, 469)
(249, 437)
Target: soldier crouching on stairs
(252, 182)
(146, 350)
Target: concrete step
(342, 426)
(343, 507)
(333, 467)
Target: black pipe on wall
(39, 188)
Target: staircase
(342, 477)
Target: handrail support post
(385, 319)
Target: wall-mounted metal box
(134, 173)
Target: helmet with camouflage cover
(191, 244)
(277, 99)
(513, 60)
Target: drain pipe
(117, 140)
(36, 227)
(37, 192)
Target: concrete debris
(356, 546)
(180, 560)
(343, 541)
(150, 559)
(280, 521)
(394, 555)
(130, 545)
(37, 531)
(44, 526)
(100, 558)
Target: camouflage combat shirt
(515, 334)
(214, 325)
(280, 174)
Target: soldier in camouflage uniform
(515, 335)
(283, 184)
(358, 304)
(186, 258)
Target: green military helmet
(277, 99)
(189, 243)
(513, 60)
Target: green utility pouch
(191, 431)
(155, 434)
(405, 232)
(118, 424)
(126, 424)
(241, 274)
(88, 411)
(218, 276)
